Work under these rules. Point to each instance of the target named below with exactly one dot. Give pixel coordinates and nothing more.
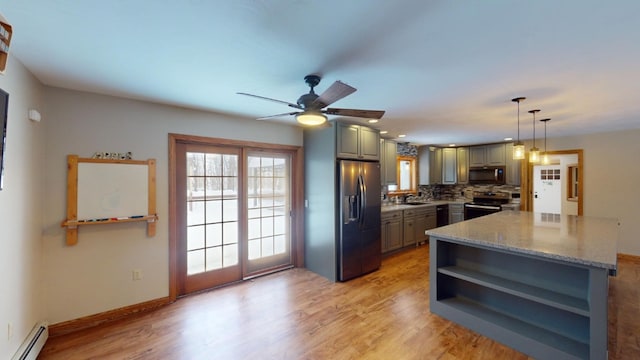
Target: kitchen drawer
(391, 215)
(409, 213)
(427, 210)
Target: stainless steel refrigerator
(359, 246)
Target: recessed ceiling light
(401, 135)
(508, 139)
(383, 132)
(452, 145)
(373, 121)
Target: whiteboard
(107, 190)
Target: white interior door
(547, 189)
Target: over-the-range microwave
(487, 175)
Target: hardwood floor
(297, 314)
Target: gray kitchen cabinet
(408, 233)
(429, 165)
(435, 165)
(357, 142)
(423, 165)
(391, 234)
(462, 154)
(388, 162)
(456, 212)
(513, 167)
(496, 154)
(477, 156)
(425, 218)
(449, 166)
(483, 155)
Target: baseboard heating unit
(32, 345)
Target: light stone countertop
(590, 241)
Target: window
(406, 176)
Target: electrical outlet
(137, 274)
(9, 331)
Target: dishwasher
(442, 215)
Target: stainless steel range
(485, 203)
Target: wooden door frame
(297, 197)
(526, 187)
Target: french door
(233, 214)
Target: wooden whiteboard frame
(72, 222)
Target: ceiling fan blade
(274, 100)
(278, 115)
(335, 92)
(369, 114)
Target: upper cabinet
(484, 155)
(449, 166)
(429, 165)
(513, 167)
(357, 142)
(388, 165)
(435, 165)
(463, 165)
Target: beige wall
(612, 180)
(21, 210)
(96, 275)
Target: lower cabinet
(425, 219)
(456, 213)
(400, 228)
(409, 236)
(391, 234)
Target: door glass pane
(195, 262)
(195, 237)
(280, 244)
(212, 211)
(268, 185)
(214, 235)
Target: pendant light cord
(518, 121)
(534, 126)
(534, 129)
(545, 133)
(518, 100)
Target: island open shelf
(543, 303)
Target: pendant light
(545, 156)
(534, 153)
(518, 146)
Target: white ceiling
(444, 71)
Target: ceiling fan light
(518, 151)
(311, 118)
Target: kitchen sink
(418, 203)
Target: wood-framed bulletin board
(109, 191)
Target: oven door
(472, 211)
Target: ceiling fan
(312, 106)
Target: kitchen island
(535, 282)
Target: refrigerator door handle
(362, 191)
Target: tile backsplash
(455, 192)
